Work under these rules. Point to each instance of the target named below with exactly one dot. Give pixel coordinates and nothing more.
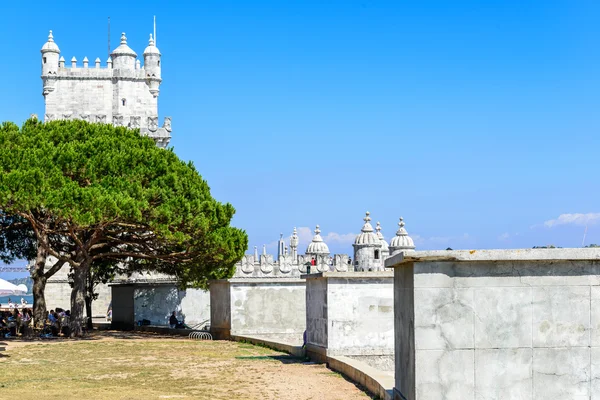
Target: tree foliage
(110, 194)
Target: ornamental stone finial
(294, 239)
(50, 37)
(367, 218)
(317, 230)
(151, 41)
(123, 38)
(378, 227)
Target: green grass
(150, 369)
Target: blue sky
(475, 120)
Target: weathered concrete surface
(261, 306)
(133, 302)
(350, 314)
(156, 303)
(220, 309)
(497, 324)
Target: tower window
(159, 63)
(124, 101)
(377, 254)
(44, 60)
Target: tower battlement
(123, 92)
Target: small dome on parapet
(50, 46)
(402, 240)
(384, 245)
(123, 49)
(367, 236)
(151, 49)
(317, 246)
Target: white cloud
(504, 236)
(418, 239)
(305, 235)
(448, 239)
(573, 219)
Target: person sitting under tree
(173, 321)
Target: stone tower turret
(317, 246)
(401, 242)
(385, 251)
(123, 57)
(152, 67)
(367, 249)
(50, 56)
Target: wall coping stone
(260, 280)
(350, 275)
(566, 254)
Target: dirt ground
(116, 365)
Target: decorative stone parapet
(286, 266)
(497, 324)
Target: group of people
(56, 323)
(14, 322)
(20, 322)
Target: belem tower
(124, 92)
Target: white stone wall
(259, 306)
(58, 294)
(268, 308)
(156, 303)
(505, 329)
(351, 314)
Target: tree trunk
(89, 297)
(78, 293)
(39, 286)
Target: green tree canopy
(110, 194)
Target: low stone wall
(497, 324)
(380, 384)
(294, 349)
(257, 306)
(351, 314)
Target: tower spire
(109, 37)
